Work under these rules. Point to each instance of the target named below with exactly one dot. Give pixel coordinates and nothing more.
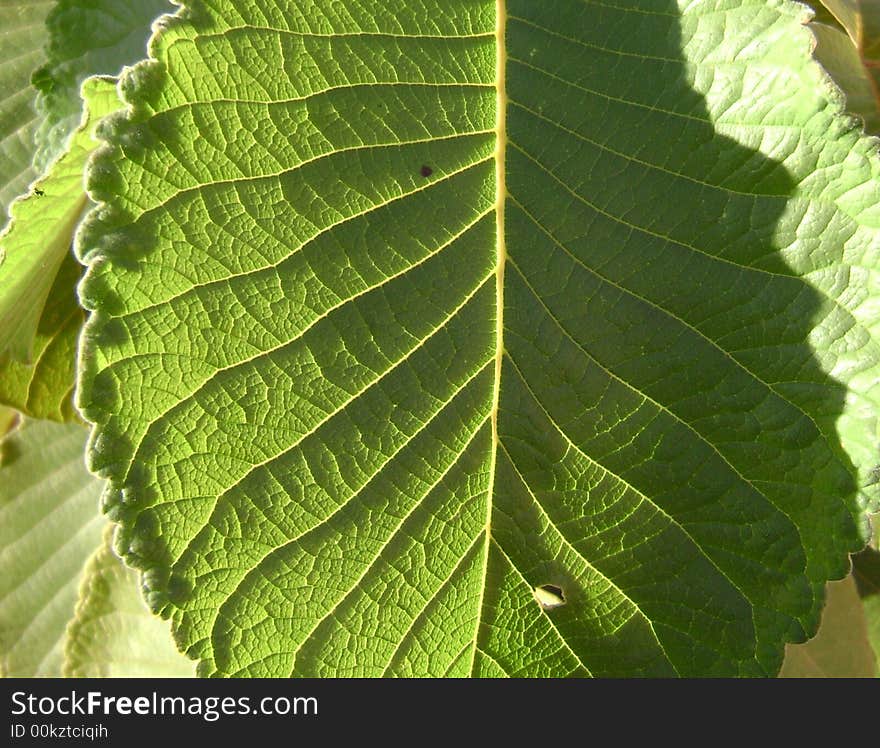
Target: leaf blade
(280, 484)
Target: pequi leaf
(113, 634)
(401, 315)
(49, 525)
(33, 248)
(841, 648)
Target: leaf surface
(33, 248)
(837, 53)
(85, 38)
(49, 526)
(114, 634)
(21, 40)
(402, 311)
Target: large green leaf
(49, 526)
(22, 36)
(113, 634)
(405, 310)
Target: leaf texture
(40, 317)
(402, 310)
(22, 37)
(49, 526)
(113, 634)
(85, 38)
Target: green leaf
(35, 243)
(861, 20)
(393, 325)
(49, 526)
(113, 634)
(21, 42)
(86, 37)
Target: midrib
(500, 261)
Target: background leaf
(49, 526)
(86, 37)
(21, 39)
(364, 375)
(114, 634)
(839, 56)
(33, 247)
(860, 19)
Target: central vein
(500, 261)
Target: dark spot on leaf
(39, 193)
(426, 171)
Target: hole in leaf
(549, 596)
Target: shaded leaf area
(23, 34)
(49, 526)
(113, 634)
(355, 411)
(841, 648)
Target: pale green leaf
(38, 238)
(861, 21)
(44, 387)
(22, 36)
(394, 324)
(841, 648)
(49, 526)
(839, 56)
(114, 634)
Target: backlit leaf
(402, 310)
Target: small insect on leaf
(39, 193)
(549, 596)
